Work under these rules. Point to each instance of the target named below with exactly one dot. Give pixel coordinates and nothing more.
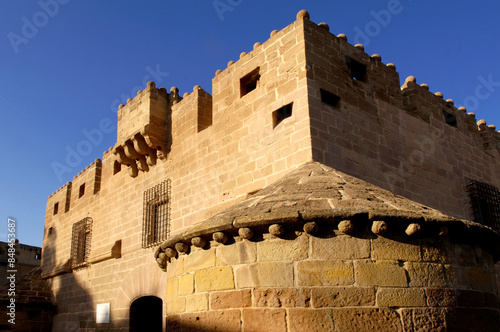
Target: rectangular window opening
(249, 82)
(329, 98)
(357, 69)
(156, 215)
(80, 242)
(281, 114)
(485, 204)
(82, 190)
(117, 167)
(56, 208)
(450, 118)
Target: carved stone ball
(274, 32)
(342, 36)
(303, 14)
(311, 227)
(413, 229)
(379, 227)
(377, 57)
(360, 47)
(170, 252)
(198, 242)
(324, 26)
(346, 226)
(276, 230)
(220, 237)
(425, 86)
(151, 84)
(245, 233)
(181, 247)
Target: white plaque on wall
(102, 313)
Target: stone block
(472, 319)
(324, 273)
(276, 274)
(279, 297)
(380, 273)
(310, 320)
(231, 299)
(480, 279)
(199, 260)
(219, 278)
(283, 250)
(220, 320)
(244, 252)
(457, 276)
(197, 302)
(342, 296)
(441, 297)
(401, 297)
(265, 320)
(383, 248)
(186, 284)
(426, 274)
(428, 319)
(366, 319)
(340, 247)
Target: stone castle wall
(264, 119)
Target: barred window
(156, 214)
(485, 204)
(80, 242)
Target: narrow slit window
(281, 114)
(82, 190)
(329, 98)
(450, 119)
(56, 208)
(117, 167)
(357, 69)
(249, 82)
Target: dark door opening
(146, 314)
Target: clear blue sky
(65, 68)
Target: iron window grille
(80, 242)
(156, 214)
(485, 204)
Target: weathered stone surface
(467, 319)
(276, 274)
(366, 319)
(199, 260)
(340, 247)
(324, 273)
(380, 273)
(220, 320)
(244, 252)
(231, 299)
(273, 250)
(401, 297)
(426, 274)
(197, 302)
(441, 297)
(310, 320)
(457, 276)
(175, 304)
(186, 284)
(433, 252)
(430, 319)
(480, 279)
(218, 278)
(279, 297)
(383, 248)
(342, 296)
(265, 320)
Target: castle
(312, 191)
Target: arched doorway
(146, 314)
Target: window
(450, 119)
(82, 190)
(281, 114)
(38, 256)
(329, 98)
(249, 82)
(117, 167)
(80, 242)
(56, 208)
(357, 69)
(156, 214)
(485, 204)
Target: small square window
(357, 69)
(117, 167)
(82, 190)
(56, 208)
(281, 114)
(38, 256)
(329, 98)
(249, 82)
(450, 119)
